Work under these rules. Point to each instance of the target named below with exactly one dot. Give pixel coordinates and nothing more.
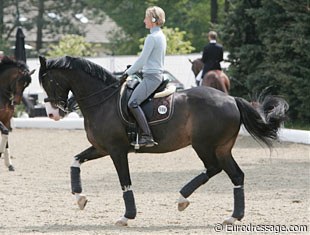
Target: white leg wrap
(182, 199)
(76, 163)
(4, 141)
(127, 188)
(7, 158)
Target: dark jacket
(211, 57)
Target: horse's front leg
(76, 184)
(4, 147)
(4, 137)
(120, 160)
(7, 158)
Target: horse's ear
(190, 61)
(42, 61)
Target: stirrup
(137, 145)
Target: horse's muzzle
(52, 112)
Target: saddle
(158, 107)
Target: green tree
(284, 30)
(246, 51)
(191, 16)
(269, 47)
(72, 45)
(45, 17)
(176, 42)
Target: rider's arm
(147, 49)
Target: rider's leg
(147, 86)
(146, 138)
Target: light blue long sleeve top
(152, 57)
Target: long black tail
(264, 122)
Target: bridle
(11, 92)
(88, 101)
(59, 102)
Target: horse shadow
(63, 228)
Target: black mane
(77, 63)
(7, 62)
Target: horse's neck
(197, 66)
(95, 94)
(5, 103)
(7, 73)
(101, 107)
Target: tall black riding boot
(146, 138)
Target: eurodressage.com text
(256, 228)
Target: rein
(100, 96)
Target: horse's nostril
(50, 115)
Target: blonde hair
(156, 14)
(212, 35)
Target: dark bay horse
(203, 117)
(214, 78)
(14, 78)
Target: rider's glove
(123, 77)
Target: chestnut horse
(203, 117)
(214, 78)
(14, 78)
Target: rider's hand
(123, 77)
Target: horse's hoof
(183, 204)
(82, 202)
(123, 221)
(11, 168)
(230, 220)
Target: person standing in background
(212, 54)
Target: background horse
(205, 118)
(14, 78)
(214, 78)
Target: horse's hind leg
(236, 175)
(211, 169)
(76, 184)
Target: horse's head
(90, 83)
(197, 65)
(54, 85)
(23, 80)
(15, 77)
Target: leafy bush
(73, 45)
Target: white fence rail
(289, 135)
